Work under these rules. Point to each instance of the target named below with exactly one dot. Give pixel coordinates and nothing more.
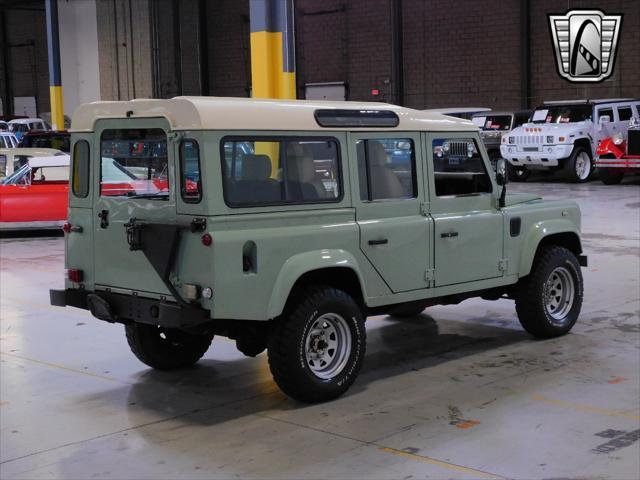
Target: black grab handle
(382, 241)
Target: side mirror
(604, 119)
(501, 179)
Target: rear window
(269, 171)
(493, 122)
(134, 163)
(190, 178)
(81, 161)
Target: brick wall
(28, 70)
(228, 48)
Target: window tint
(606, 111)
(269, 171)
(458, 167)
(386, 169)
(81, 161)
(134, 163)
(624, 113)
(190, 179)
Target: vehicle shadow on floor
(208, 394)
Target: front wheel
(610, 176)
(549, 299)
(317, 347)
(579, 165)
(166, 348)
(517, 174)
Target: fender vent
(514, 226)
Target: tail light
(75, 275)
(206, 239)
(66, 227)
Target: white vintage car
(565, 135)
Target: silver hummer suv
(284, 224)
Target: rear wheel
(610, 176)
(578, 165)
(517, 174)
(165, 348)
(549, 299)
(317, 347)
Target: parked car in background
(495, 124)
(8, 140)
(46, 116)
(459, 112)
(36, 195)
(56, 139)
(619, 155)
(564, 136)
(12, 159)
(20, 126)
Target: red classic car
(617, 155)
(36, 195)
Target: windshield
(59, 142)
(134, 163)
(19, 177)
(562, 114)
(493, 122)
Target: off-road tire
(530, 295)
(570, 165)
(177, 349)
(610, 176)
(517, 174)
(287, 339)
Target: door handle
(382, 241)
(449, 234)
(104, 218)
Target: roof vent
(356, 118)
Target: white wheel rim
(583, 166)
(559, 292)
(327, 346)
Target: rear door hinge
(503, 264)
(429, 276)
(424, 209)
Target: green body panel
(288, 241)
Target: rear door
(389, 200)
(134, 178)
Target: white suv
(565, 135)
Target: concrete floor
(461, 392)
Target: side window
(624, 113)
(269, 171)
(386, 169)
(190, 178)
(458, 168)
(3, 165)
(606, 111)
(80, 176)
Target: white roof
(445, 111)
(57, 161)
(25, 120)
(225, 113)
(33, 152)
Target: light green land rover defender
(284, 224)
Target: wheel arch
(584, 143)
(337, 268)
(555, 232)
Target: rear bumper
(115, 307)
